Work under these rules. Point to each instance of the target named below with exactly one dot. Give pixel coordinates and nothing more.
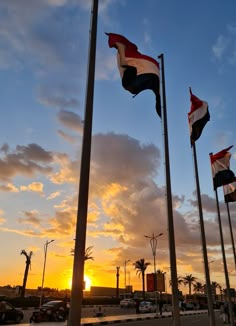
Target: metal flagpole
(81, 225)
(224, 262)
(231, 234)
(204, 247)
(174, 283)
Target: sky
(43, 75)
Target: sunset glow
(43, 77)
(87, 283)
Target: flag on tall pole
(197, 117)
(230, 192)
(138, 71)
(220, 166)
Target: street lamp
(126, 261)
(153, 243)
(44, 266)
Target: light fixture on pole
(126, 261)
(153, 244)
(44, 266)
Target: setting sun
(87, 283)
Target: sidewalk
(120, 318)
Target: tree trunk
(25, 278)
(143, 281)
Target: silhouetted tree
(179, 281)
(216, 286)
(27, 266)
(198, 287)
(87, 254)
(141, 266)
(189, 280)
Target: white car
(127, 303)
(146, 306)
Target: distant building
(101, 291)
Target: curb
(125, 320)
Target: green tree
(27, 266)
(189, 280)
(141, 266)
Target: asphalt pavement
(106, 320)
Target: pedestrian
(160, 307)
(226, 316)
(234, 312)
(2, 310)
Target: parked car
(146, 306)
(127, 303)
(56, 310)
(192, 306)
(9, 314)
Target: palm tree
(179, 281)
(189, 280)
(141, 266)
(198, 287)
(215, 286)
(221, 292)
(87, 254)
(27, 266)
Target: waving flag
(220, 166)
(197, 117)
(138, 71)
(230, 192)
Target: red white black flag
(197, 117)
(220, 166)
(230, 192)
(138, 71)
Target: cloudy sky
(43, 71)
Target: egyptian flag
(197, 117)
(138, 71)
(220, 166)
(230, 192)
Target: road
(191, 320)
(88, 312)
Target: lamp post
(153, 244)
(44, 266)
(126, 261)
(117, 281)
